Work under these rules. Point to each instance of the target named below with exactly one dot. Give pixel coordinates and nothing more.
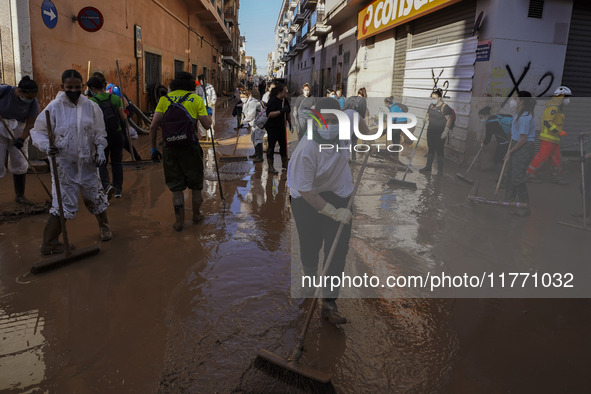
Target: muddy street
(168, 312)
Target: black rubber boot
(19, 189)
(284, 161)
(197, 200)
(270, 163)
(429, 165)
(105, 230)
(51, 234)
(331, 313)
(258, 154)
(523, 197)
(178, 202)
(439, 166)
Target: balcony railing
(298, 15)
(309, 4)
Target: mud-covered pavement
(161, 311)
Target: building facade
(151, 39)
(469, 48)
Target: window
(194, 70)
(340, 49)
(152, 69)
(179, 66)
(215, 60)
(334, 61)
(347, 57)
(536, 9)
(313, 60)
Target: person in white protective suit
(251, 109)
(18, 108)
(206, 91)
(80, 140)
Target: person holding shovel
(19, 108)
(78, 144)
(521, 150)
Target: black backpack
(178, 126)
(110, 115)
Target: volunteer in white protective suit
(18, 108)
(251, 109)
(207, 92)
(80, 140)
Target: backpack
(110, 115)
(505, 121)
(453, 116)
(178, 126)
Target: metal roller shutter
(400, 48)
(576, 74)
(449, 24)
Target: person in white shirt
(80, 140)
(251, 109)
(206, 91)
(320, 185)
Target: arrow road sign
(49, 14)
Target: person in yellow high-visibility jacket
(553, 120)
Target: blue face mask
(26, 100)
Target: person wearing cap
(19, 109)
(552, 122)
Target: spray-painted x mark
(515, 83)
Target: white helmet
(562, 91)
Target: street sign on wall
(90, 19)
(138, 41)
(49, 14)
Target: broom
(291, 367)
(403, 182)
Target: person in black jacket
(499, 126)
(278, 112)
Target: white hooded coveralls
(250, 110)
(79, 131)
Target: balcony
(229, 55)
(210, 16)
(298, 15)
(308, 4)
(293, 4)
(318, 28)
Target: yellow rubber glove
(342, 215)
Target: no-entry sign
(90, 19)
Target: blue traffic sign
(49, 14)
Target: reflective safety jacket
(552, 121)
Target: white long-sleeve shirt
(250, 110)
(78, 128)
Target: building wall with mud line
(168, 29)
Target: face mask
(331, 134)
(434, 100)
(566, 101)
(73, 95)
(333, 95)
(26, 100)
(244, 99)
(306, 93)
(483, 120)
(513, 104)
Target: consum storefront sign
(382, 15)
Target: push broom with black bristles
(290, 370)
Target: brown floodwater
(168, 312)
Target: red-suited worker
(553, 120)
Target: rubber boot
(429, 165)
(523, 197)
(178, 202)
(197, 200)
(51, 234)
(103, 222)
(510, 192)
(284, 161)
(19, 189)
(330, 312)
(258, 153)
(271, 168)
(255, 154)
(439, 166)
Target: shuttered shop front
(577, 74)
(441, 47)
